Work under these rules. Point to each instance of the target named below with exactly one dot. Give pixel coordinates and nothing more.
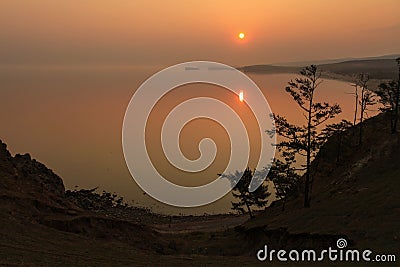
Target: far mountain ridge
(330, 61)
(378, 69)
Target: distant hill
(330, 61)
(378, 69)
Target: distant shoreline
(379, 70)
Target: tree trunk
(248, 208)
(356, 107)
(361, 115)
(307, 182)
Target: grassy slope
(358, 197)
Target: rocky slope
(30, 193)
(357, 197)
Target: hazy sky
(167, 32)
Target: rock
(4, 153)
(6, 165)
(27, 170)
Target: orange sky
(167, 32)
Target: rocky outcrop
(38, 173)
(24, 169)
(6, 166)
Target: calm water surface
(71, 119)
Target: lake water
(71, 118)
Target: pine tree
(285, 178)
(367, 98)
(336, 130)
(389, 97)
(245, 199)
(304, 140)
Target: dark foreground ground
(357, 199)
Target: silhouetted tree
(284, 176)
(367, 99)
(389, 97)
(247, 200)
(355, 85)
(303, 140)
(337, 130)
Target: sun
(241, 35)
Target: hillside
(357, 198)
(42, 225)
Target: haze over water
(68, 70)
(71, 120)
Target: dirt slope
(358, 197)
